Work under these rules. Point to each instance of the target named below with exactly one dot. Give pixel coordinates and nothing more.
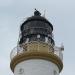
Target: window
(21, 71)
(38, 36)
(55, 73)
(27, 40)
(46, 39)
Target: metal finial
(36, 12)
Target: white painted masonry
(36, 67)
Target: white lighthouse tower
(36, 53)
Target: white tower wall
(36, 67)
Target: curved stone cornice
(36, 55)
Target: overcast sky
(61, 13)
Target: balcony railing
(29, 47)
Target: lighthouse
(36, 52)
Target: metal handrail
(37, 27)
(19, 49)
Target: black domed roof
(37, 18)
(36, 25)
